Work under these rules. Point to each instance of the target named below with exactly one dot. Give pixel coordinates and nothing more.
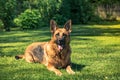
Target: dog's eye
(57, 34)
(64, 35)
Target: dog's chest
(61, 60)
(56, 57)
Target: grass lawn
(95, 54)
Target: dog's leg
(29, 57)
(52, 68)
(69, 70)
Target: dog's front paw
(71, 72)
(58, 73)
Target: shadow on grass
(83, 30)
(104, 22)
(27, 36)
(77, 67)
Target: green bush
(29, 19)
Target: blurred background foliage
(32, 14)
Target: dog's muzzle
(61, 44)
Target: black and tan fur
(53, 54)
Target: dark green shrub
(1, 25)
(29, 19)
(7, 13)
(80, 11)
(60, 19)
(95, 19)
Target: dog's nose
(61, 40)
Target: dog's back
(34, 52)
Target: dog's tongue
(60, 47)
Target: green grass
(95, 54)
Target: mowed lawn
(95, 54)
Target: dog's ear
(53, 26)
(67, 25)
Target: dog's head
(61, 36)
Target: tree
(7, 9)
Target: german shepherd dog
(53, 54)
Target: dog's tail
(19, 57)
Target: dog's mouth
(60, 47)
(61, 44)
